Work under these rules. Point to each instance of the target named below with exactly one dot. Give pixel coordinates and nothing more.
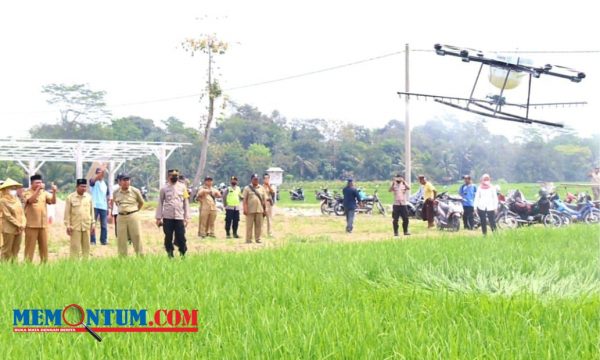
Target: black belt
(128, 213)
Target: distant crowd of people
(24, 212)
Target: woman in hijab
(486, 203)
(13, 219)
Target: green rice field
(532, 293)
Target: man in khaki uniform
(208, 208)
(254, 209)
(129, 200)
(79, 219)
(13, 219)
(172, 213)
(36, 212)
(270, 194)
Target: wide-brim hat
(10, 183)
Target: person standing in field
(595, 175)
(100, 197)
(36, 212)
(351, 198)
(429, 194)
(486, 203)
(129, 200)
(467, 192)
(172, 213)
(112, 206)
(254, 209)
(207, 196)
(400, 189)
(13, 219)
(270, 194)
(79, 219)
(231, 202)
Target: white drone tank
(498, 75)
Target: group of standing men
(255, 201)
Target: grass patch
(532, 293)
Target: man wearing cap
(100, 197)
(13, 219)
(172, 213)
(231, 201)
(36, 212)
(429, 194)
(467, 192)
(595, 175)
(399, 209)
(129, 200)
(351, 198)
(254, 209)
(271, 193)
(208, 208)
(79, 219)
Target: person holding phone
(400, 190)
(36, 212)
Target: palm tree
(304, 164)
(448, 166)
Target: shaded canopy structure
(31, 154)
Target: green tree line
(249, 141)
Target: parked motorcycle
(584, 211)
(328, 201)
(532, 213)
(448, 212)
(297, 195)
(144, 191)
(364, 205)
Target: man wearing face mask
(13, 220)
(172, 213)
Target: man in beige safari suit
(36, 212)
(129, 200)
(254, 209)
(208, 208)
(79, 219)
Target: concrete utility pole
(407, 157)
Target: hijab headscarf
(486, 182)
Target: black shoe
(396, 233)
(170, 254)
(236, 236)
(406, 233)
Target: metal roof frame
(38, 151)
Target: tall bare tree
(210, 46)
(77, 101)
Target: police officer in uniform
(254, 209)
(231, 201)
(172, 213)
(79, 219)
(208, 208)
(129, 200)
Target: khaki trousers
(33, 236)
(269, 218)
(80, 244)
(128, 227)
(254, 221)
(10, 246)
(207, 222)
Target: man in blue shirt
(350, 200)
(467, 192)
(100, 196)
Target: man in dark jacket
(350, 199)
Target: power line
(341, 66)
